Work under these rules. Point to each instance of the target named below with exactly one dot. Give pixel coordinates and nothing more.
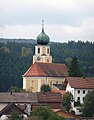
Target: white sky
(64, 19)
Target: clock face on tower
(38, 58)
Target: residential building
(10, 109)
(79, 87)
(24, 103)
(23, 100)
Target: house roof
(81, 83)
(49, 97)
(64, 114)
(59, 91)
(6, 97)
(39, 97)
(47, 70)
(11, 107)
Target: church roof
(81, 83)
(47, 70)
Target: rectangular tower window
(47, 50)
(38, 50)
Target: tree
(74, 70)
(88, 105)
(16, 89)
(67, 100)
(15, 116)
(16, 58)
(35, 118)
(45, 88)
(43, 112)
(55, 117)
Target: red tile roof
(59, 91)
(47, 69)
(81, 83)
(49, 97)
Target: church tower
(42, 49)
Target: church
(43, 71)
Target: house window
(79, 110)
(78, 91)
(78, 98)
(88, 91)
(38, 50)
(83, 91)
(48, 50)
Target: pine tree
(74, 70)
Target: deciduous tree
(15, 116)
(88, 105)
(67, 100)
(45, 88)
(43, 112)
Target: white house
(79, 87)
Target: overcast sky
(64, 19)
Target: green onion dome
(42, 38)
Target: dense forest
(16, 58)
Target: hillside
(16, 58)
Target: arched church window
(50, 83)
(56, 82)
(31, 85)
